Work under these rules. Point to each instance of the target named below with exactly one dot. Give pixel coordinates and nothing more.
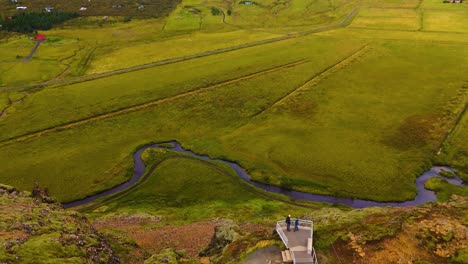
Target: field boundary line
(441, 42)
(411, 30)
(317, 78)
(142, 106)
(90, 77)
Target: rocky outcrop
(225, 233)
(36, 229)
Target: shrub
(215, 11)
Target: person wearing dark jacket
(288, 223)
(296, 225)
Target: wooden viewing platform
(299, 243)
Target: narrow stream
(422, 197)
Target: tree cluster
(29, 22)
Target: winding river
(423, 195)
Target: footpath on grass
(343, 23)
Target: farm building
(40, 37)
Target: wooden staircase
(286, 256)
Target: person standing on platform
(288, 223)
(296, 225)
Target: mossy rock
(224, 234)
(167, 256)
(460, 257)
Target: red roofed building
(40, 37)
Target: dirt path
(29, 57)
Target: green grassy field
(229, 117)
(328, 127)
(446, 21)
(444, 189)
(380, 18)
(201, 192)
(89, 44)
(357, 111)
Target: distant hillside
(36, 229)
(150, 8)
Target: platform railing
(281, 225)
(279, 229)
(314, 256)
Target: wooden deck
(299, 243)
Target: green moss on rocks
(36, 229)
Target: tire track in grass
(449, 135)
(347, 20)
(11, 103)
(459, 105)
(142, 106)
(317, 78)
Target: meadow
(361, 119)
(203, 190)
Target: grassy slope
(186, 191)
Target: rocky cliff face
(432, 233)
(36, 229)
